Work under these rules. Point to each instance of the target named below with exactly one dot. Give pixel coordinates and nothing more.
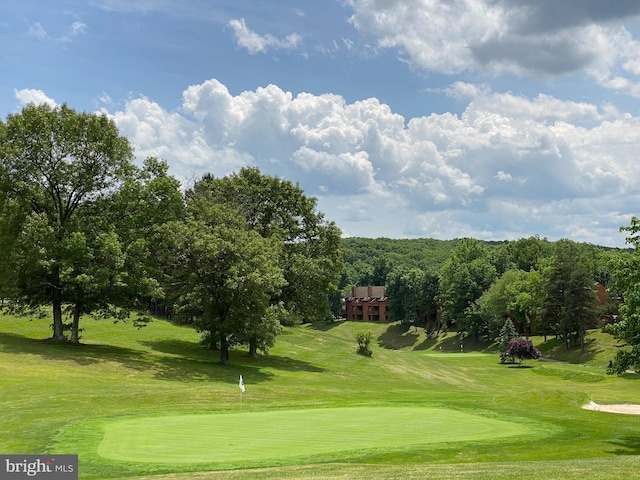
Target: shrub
(363, 337)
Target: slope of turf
(73, 399)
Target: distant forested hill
(423, 253)
(370, 260)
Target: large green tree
(55, 165)
(627, 282)
(464, 277)
(136, 210)
(147, 198)
(412, 292)
(516, 295)
(569, 305)
(311, 256)
(526, 294)
(491, 309)
(224, 277)
(526, 252)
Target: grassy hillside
(63, 399)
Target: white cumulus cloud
(256, 43)
(505, 155)
(29, 95)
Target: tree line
(84, 231)
(542, 287)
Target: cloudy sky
(492, 119)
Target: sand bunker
(627, 409)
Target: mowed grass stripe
(252, 436)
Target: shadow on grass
(426, 344)
(197, 354)
(167, 368)
(325, 326)
(181, 348)
(557, 349)
(398, 335)
(179, 360)
(291, 364)
(82, 354)
(520, 366)
(626, 446)
(452, 343)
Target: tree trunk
(224, 350)
(56, 302)
(75, 330)
(253, 349)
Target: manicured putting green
(278, 434)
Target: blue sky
(493, 119)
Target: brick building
(366, 303)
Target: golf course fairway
(275, 434)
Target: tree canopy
(311, 258)
(627, 282)
(253, 254)
(412, 293)
(55, 166)
(522, 348)
(569, 304)
(464, 277)
(223, 277)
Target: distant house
(366, 303)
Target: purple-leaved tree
(522, 348)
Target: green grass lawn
(152, 403)
(274, 435)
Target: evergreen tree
(569, 304)
(507, 333)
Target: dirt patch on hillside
(628, 409)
